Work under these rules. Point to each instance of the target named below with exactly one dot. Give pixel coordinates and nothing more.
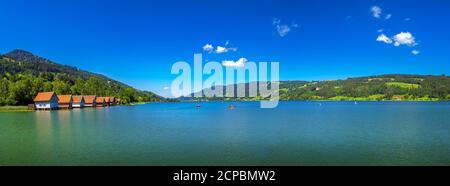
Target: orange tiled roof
(77, 99)
(64, 98)
(89, 99)
(107, 100)
(44, 96)
(100, 99)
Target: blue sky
(137, 41)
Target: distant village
(52, 101)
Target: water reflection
(296, 133)
(45, 123)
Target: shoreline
(6, 109)
(327, 100)
(23, 108)
(10, 108)
(138, 103)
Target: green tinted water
(295, 133)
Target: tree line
(386, 87)
(23, 75)
(21, 88)
(374, 88)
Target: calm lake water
(295, 133)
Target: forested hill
(29, 62)
(23, 75)
(384, 87)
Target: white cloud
(239, 63)
(376, 11)
(380, 30)
(208, 48)
(404, 38)
(220, 50)
(389, 16)
(283, 29)
(384, 38)
(166, 88)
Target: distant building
(112, 100)
(89, 101)
(78, 101)
(100, 102)
(107, 101)
(46, 101)
(65, 101)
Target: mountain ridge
(407, 87)
(26, 56)
(24, 74)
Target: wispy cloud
(219, 49)
(389, 16)
(208, 48)
(166, 88)
(376, 11)
(384, 38)
(283, 29)
(415, 52)
(237, 64)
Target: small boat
(198, 106)
(231, 106)
(356, 103)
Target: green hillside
(23, 75)
(384, 87)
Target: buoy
(231, 107)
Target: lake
(295, 133)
